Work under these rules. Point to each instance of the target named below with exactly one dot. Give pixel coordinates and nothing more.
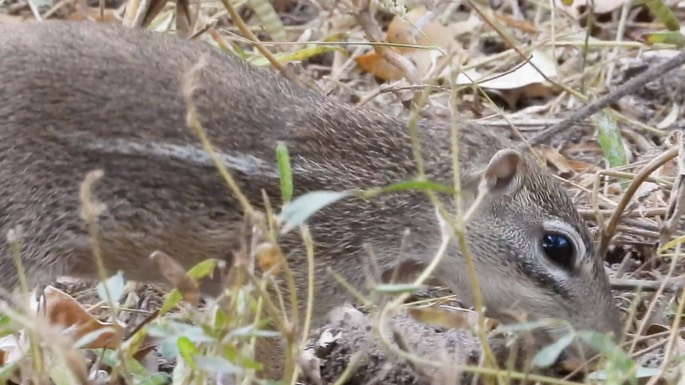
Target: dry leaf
(373, 63)
(63, 310)
(12, 348)
(176, 275)
(574, 364)
(412, 29)
(269, 257)
(94, 14)
(655, 328)
(557, 160)
(521, 76)
(522, 25)
(446, 319)
(580, 166)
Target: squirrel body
(77, 97)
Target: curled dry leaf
(554, 158)
(525, 80)
(94, 14)
(412, 29)
(63, 310)
(536, 70)
(12, 348)
(576, 364)
(446, 319)
(269, 257)
(175, 274)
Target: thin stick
(650, 167)
(624, 89)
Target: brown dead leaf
(445, 319)
(580, 166)
(412, 30)
(175, 274)
(522, 25)
(146, 351)
(554, 158)
(576, 364)
(94, 14)
(63, 310)
(12, 348)
(269, 257)
(656, 328)
(373, 63)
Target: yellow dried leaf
(445, 319)
(175, 274)
(269, 257)
(411, 30)
(63, 310)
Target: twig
(650, 167)
(626, 88)
(674, 336)
(672, 285)
(676, 204)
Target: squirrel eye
(558, 248)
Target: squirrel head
(533, 254)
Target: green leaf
(550, 353)
(7, 326)
(111, 358)
(203, 269)
(301, 208)
(217, 365)
(115, 284)
(168, 349)
(92, 336)
(675, 38)
(188, 351)
(620, 367)
(284, 171)
(159, 378)
(610, 140)
(7, 371)
(599, 341)
(251, 331)
(664, 14)
(398, 288)
(62, 375)
(175, 330)
(171, 301)
(641, 372)
(299, 55)
(409, 185)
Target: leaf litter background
(578, 52)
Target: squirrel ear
(503, 174)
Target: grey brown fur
(76, 97)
